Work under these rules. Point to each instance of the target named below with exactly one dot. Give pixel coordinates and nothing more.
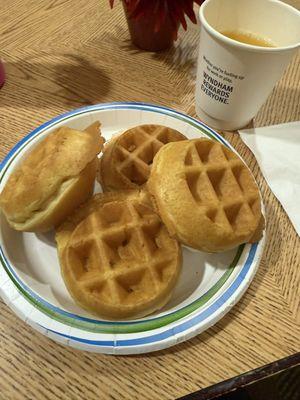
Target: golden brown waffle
(117, 257)
(206, 195)
(127, 158)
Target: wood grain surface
(62, 54)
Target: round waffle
(117, 257)
(206, 195)
(127, 158)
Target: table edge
(244, 379)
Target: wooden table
(63, 54)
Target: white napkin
(277, 150)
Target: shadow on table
(178, 57)
(182, 56)
(41, 83)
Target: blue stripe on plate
(71, 315)
(181, 327)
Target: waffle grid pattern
(137, 148)
(219, 181)
(124, 257)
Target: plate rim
(158, 343)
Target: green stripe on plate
(128, 328)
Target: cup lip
(244, 46)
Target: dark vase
(143, 35)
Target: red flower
(175, 10)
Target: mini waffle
(117, 257)
(127, 159)
(206, 195)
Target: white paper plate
(30, 280)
